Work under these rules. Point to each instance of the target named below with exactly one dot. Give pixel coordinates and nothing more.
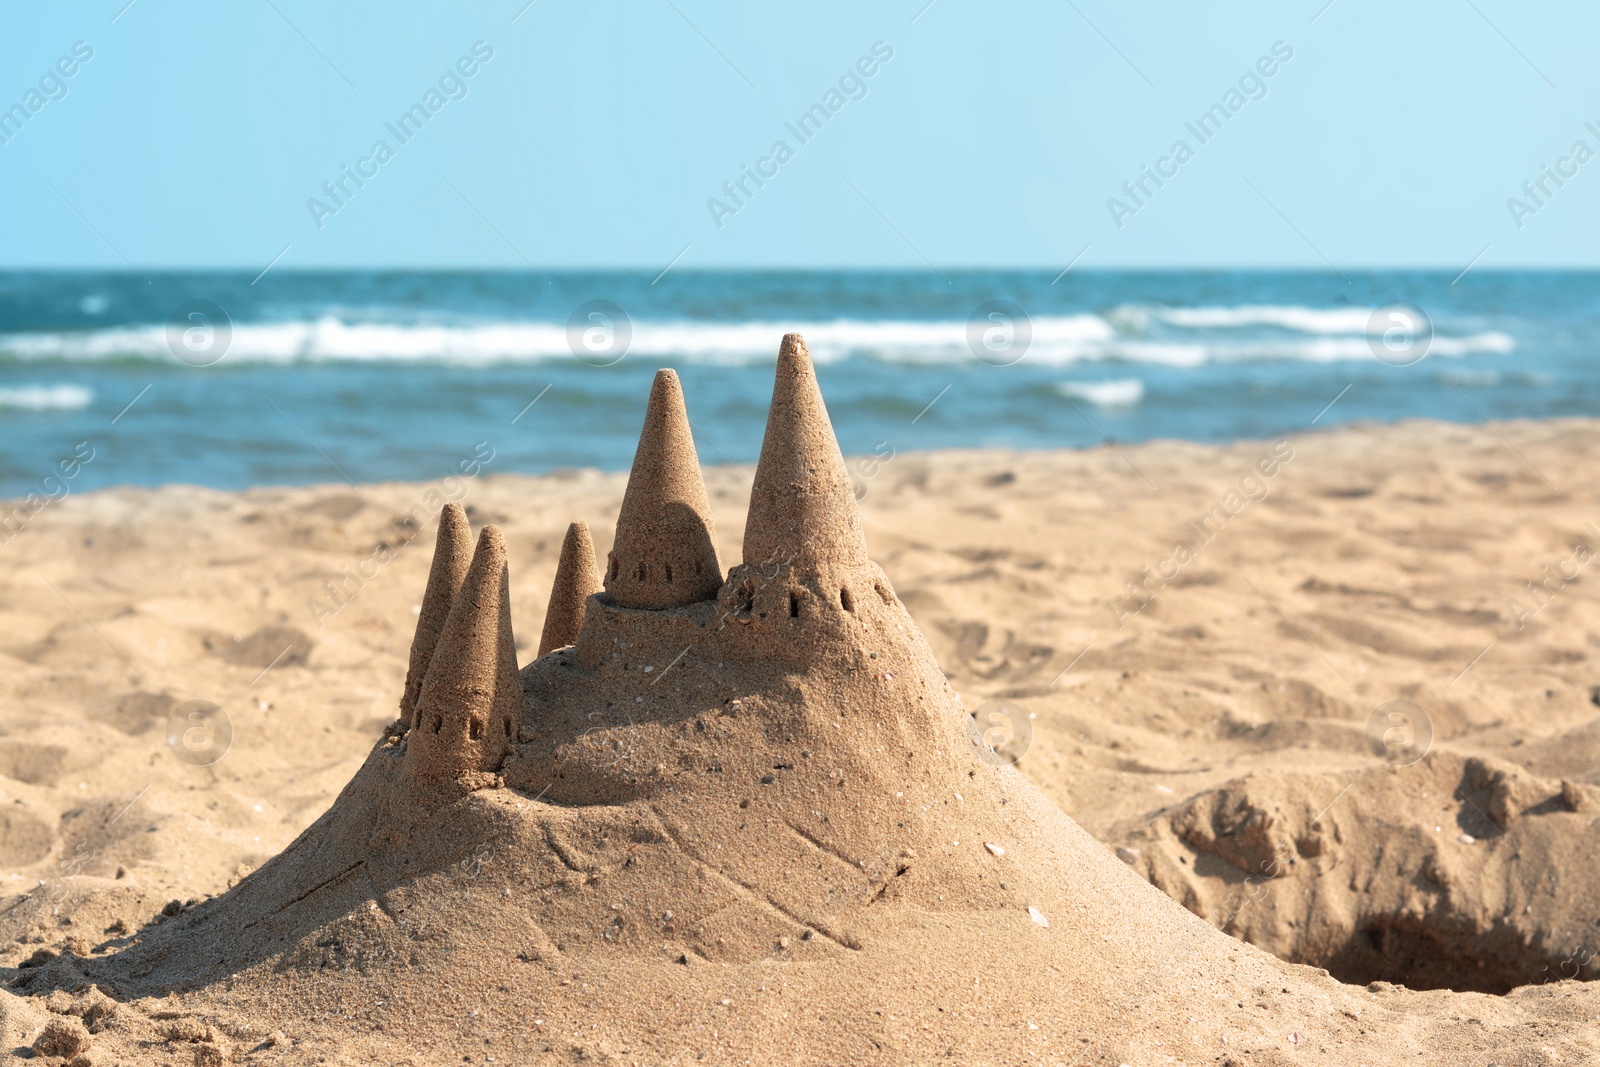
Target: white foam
(1285, 316)
(1115, 393)
(1493, 341)
(46, 397)
(1162, 353)
(1341, 349)
(1056, 340)
(330, 339)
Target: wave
(46, 398)
(1056, 340)
(1115, 393)
(1340, 320)
(1326, 322)
(329, 339)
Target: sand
(766, 827)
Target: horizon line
(650, 271)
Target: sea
(231, 380)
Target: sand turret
(802, 507)
(664, 554)
(471, 700)
(577, 578)
(452, 553)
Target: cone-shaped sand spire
(472, 698)
(452, 553)
(577, 577)
(802, 506)
(664, 555)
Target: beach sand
(1224, 733)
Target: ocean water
(221, 380)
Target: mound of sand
(738, 818)
(1455, 873)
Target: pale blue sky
(994, 136)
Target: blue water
(371, 376)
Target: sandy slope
(1378, 564)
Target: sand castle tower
(805, 556)
(577, 579)
(802, 506)
(471, 699)
(664, 554)
(452, 553)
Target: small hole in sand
(614, 567)
(642, 572)
(794, 605)
(846, 601)
(669, 573)
(508, 727)
(475, 729)
(438, 723)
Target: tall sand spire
(452, 553)
(577, 577)
(802, 506)
(664, 554)
(471, 700)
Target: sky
(600, 134)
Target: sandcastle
(726, 817)
(671, 708)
